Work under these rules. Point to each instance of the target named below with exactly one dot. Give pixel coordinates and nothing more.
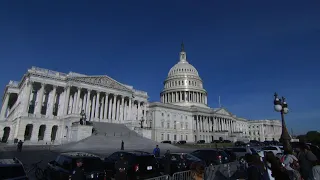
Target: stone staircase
(108, 138)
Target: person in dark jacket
(121, 167)
(78, 172)
(167, 163)
(122, 145)
(19, 146)
(277, 170)
(156, 151)
(306, 160)
(256, 170)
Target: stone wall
(79, 132)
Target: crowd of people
(290, 166)
(303, 165)
(264, 165)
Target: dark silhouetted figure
(19, 146)
(306, 160)
(277, 169)
(121, 167)
(78, 172)
(167, 163)
(122, 145)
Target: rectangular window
(174, 125)
(186, 125)
(168, 137)
(161, 137)
(186, 137)
(168, 125)
(175, 137)
(162, 124)
(181, 138)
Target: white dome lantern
(277, 107)
(183, 86)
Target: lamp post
(280, 105)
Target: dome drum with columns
(183, 86)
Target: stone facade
(44, 107)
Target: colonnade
(52, 100)
(184, 96)
(214, 124)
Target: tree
(313, 137)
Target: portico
(49, 102)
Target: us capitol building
(45, 106)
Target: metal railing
(211, 172)
(164, 177)
(183, 175)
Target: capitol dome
(183, 86)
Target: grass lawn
(203, 146)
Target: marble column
(145, 111)
(78, 101)
(51, 102)
(26, 98)
(84, 103)
(138, 111)
(93, 105)
(114, 105)
(125, 117)
(5, 105)
(102, 108)
(87, 109)
(105, 115)
(61, 103)
(117, 108)
(110, 109)
(66, 100)
(96, 114)
(122, 109)
(73, 104)
(39, 100)
(129, 109)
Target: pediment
(223, 111)
(103, 81)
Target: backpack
(294, 165)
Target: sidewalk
(25, 147)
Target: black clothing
(121, 167)
(306, 160)
(167, 163)
(78, 174)
(19, 146)
(254, 173)
(279, 172)
(122, 145)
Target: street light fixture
(280, 105)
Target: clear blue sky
(243, 50)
